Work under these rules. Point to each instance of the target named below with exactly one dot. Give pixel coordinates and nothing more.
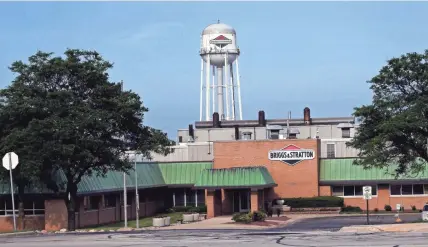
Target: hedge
(183, 209)
(313, 202)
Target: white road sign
(367, 192)
(10, 160)
(398, 206)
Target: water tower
(220, 73)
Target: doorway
(241, 201)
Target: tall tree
(66, 115)
(394, 127)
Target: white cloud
(150, 31)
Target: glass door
(244, 201)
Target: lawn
(144, 222)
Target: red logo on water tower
(221, 41)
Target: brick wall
(300, 180)
(31, 223)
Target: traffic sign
(10, 160)
(367, 192)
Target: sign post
(10, 161)
(367, 194)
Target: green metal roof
(238, 177)
(183, 173)
(344, 170)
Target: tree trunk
(70, 201)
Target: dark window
(406, 189)
(94, 202)
(337, 190)
(274, 134)
(418, 189)
(246, 136)
(374, 190)
(348, 191)
(110, 200)
(425, 208)
(201, 197)
(129, 197)
(359, 190)
(180, 139)
(331, 152)
(346, 132)
(292, 136)
(395, 190)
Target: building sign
(221, 41)
(291, 155)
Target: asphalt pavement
(337, 222)
(189, 238)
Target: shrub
(376, 210)
(243, 217)
(352, 209)
(388, 208)
(314, 202)
(414, 208)
(190, 209)
(259, 216)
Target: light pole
(137, 199)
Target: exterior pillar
(254, 200)
(209, 201)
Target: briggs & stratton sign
(291, 155)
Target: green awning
(183, 174)
(238, 177)
(344, 171)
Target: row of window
(275, 134)
(31, 207)
(395, 190)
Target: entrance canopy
(235, 178)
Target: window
(408, 189)
(91, 202)
(180, 139)
(331, 151)
(246, 135)
(274, 134)
(292, 136)
(32, 206)
(346, 132)
(110, 201)
(351, 190)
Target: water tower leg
(232, 85)
(213, 88)
(238, 87)
(202, 89)
(220, 99)
(207, 90)
(226, 86)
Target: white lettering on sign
(303, 154)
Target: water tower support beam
(220, 98)
(207, 90)
(202, 90)
(238, 86)
(213, 88)
(226, 86)
(232, 85)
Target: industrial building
(227, 163)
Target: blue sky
(293, 54)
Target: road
(335, 223)
(185, 238)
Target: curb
(9, 234)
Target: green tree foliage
(63, 114)
(394, 127)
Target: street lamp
(137, 199)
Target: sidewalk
(406, 227)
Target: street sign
(367, 192)
(398, 207)
(10, 161)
